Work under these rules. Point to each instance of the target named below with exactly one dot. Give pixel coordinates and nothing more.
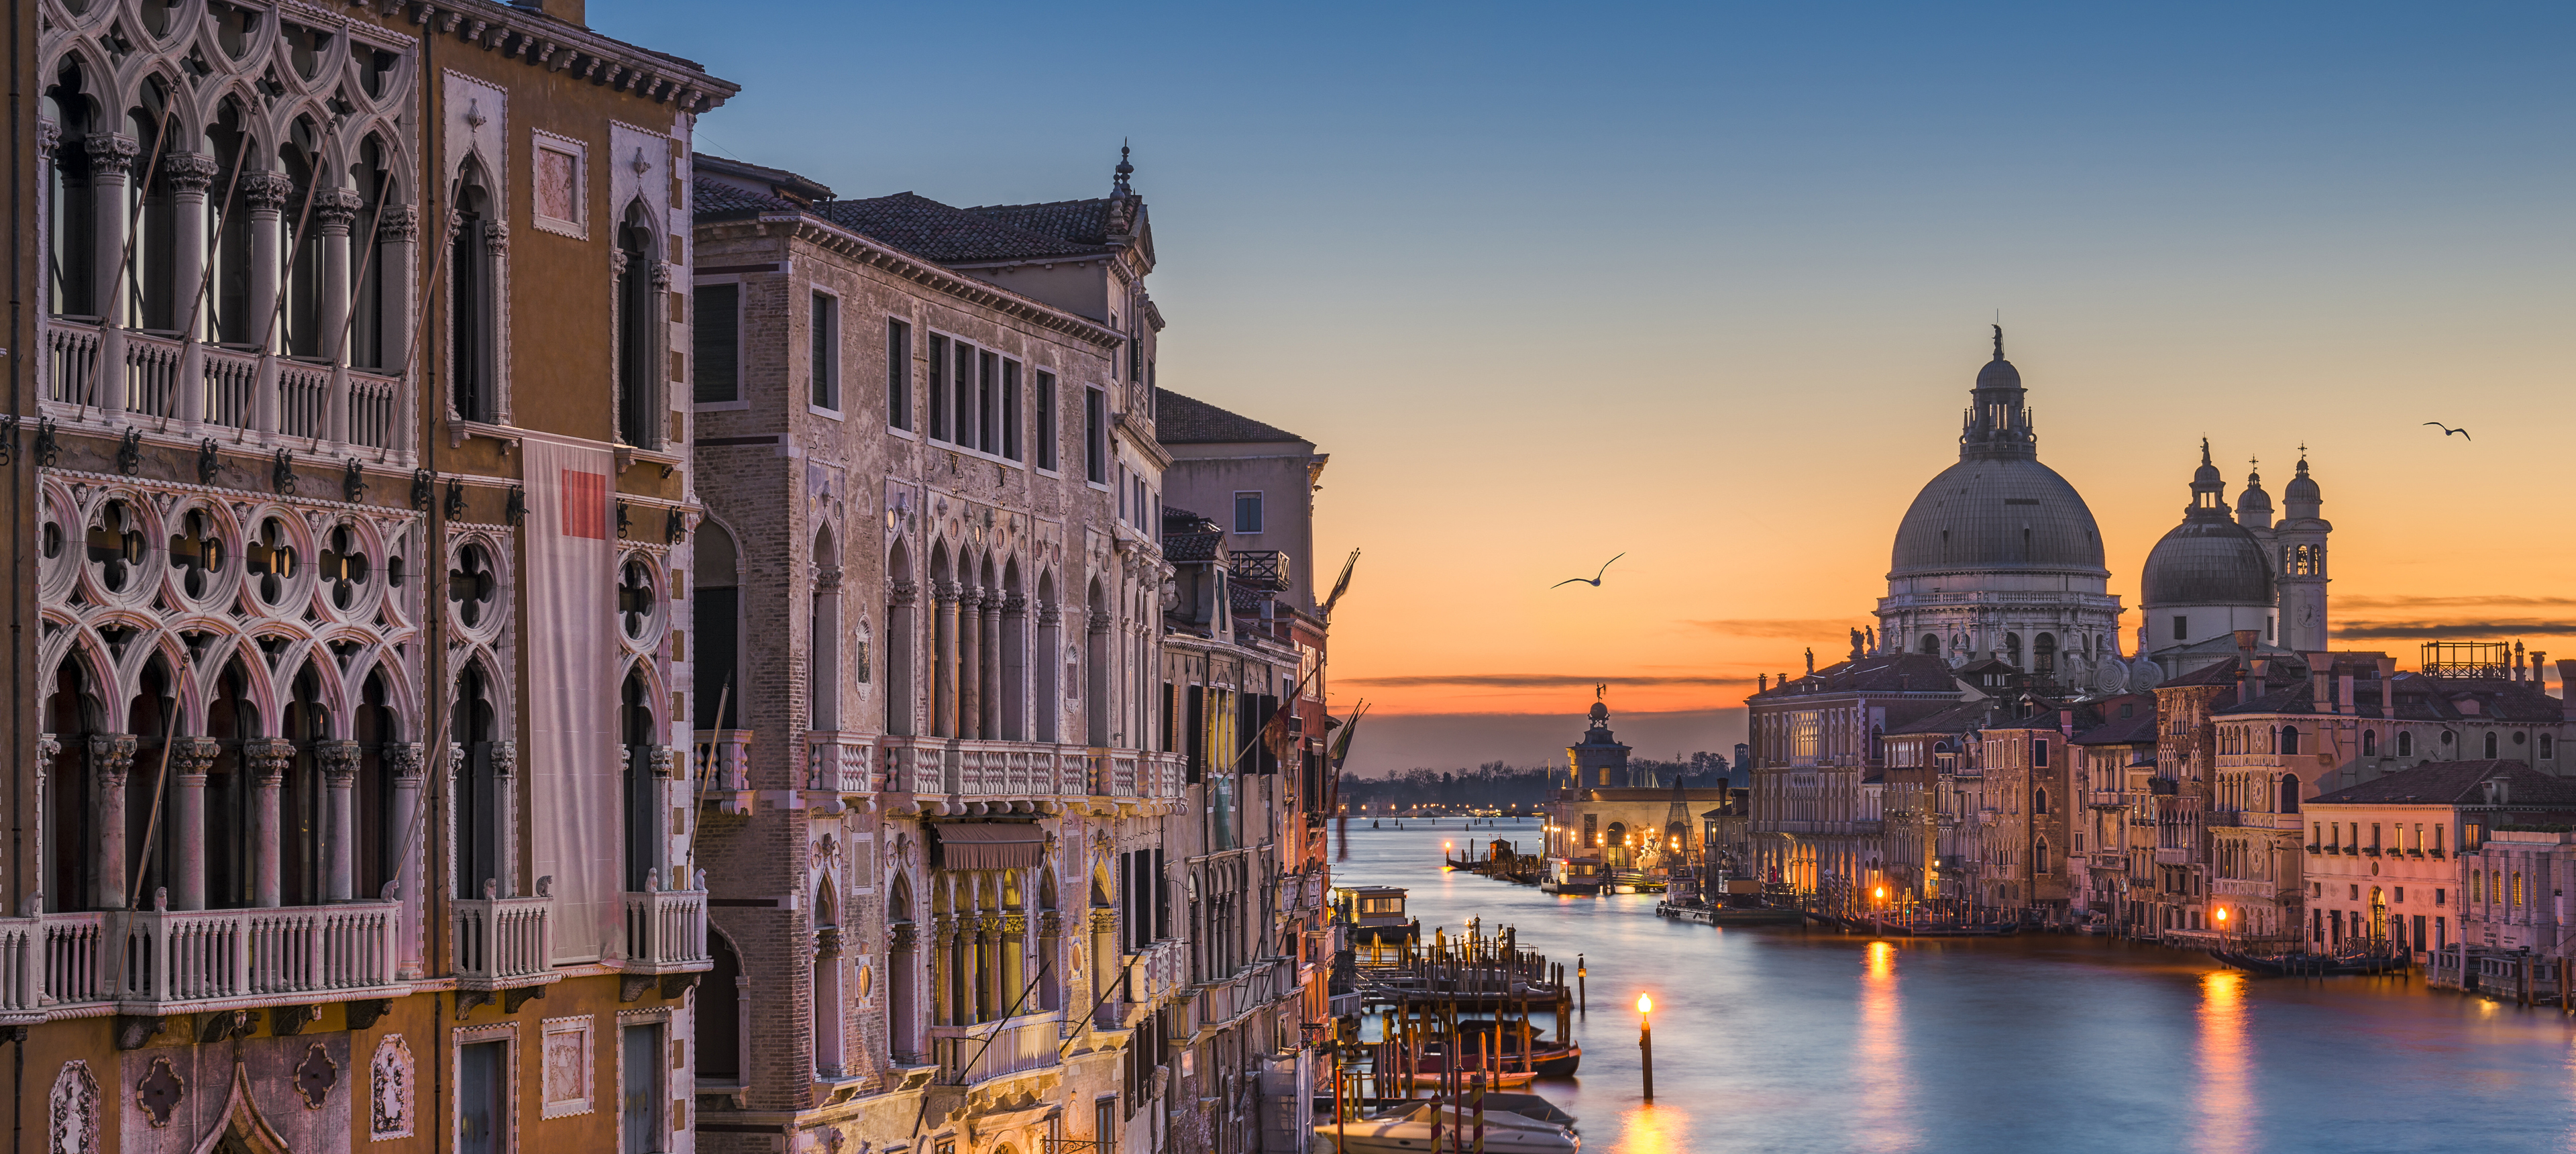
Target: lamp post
(1877, 903)
(1646, 1042)
(1582, 994)
(2222, 927)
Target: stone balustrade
(501, 942)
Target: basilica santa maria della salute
(2000, 559)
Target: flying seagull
(2447, 430)
(1593, 581)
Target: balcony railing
(666, 931)
(177, 958)
(839, 762)
(503, 942)
(971, 1054)
(104, 378)
(726, 767)
(970, 768)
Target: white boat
(1408, 1131)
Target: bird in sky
(1593, 581)
(2447, 430)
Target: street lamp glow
(1645, 1004)
(2222, 913)
(1880, 893)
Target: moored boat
(2309, 965)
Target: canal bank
(1795, 1040)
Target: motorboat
(1375, 913)
(1409, 1129)
(1581, 876)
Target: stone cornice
(555, 46)
(851, 246)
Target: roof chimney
(2343, 694)
(568, 11)
(2567, 677)
(2245, 671)
(2320, 684)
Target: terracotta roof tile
(1181, 420)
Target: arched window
(297, 331)
(2012, 649)
(1931, 644)
(2405, 743)
(823, 636)
(2289, 739)
(2491, 744)
(2289, 794)
(473, 288)
(641, 808)
(1048, 668)
(2043, 653)
(1096, 662)
(71, 273)
(2039, 801)
(641, 330)
(481, 789)
(2370, 743)
(376, 325)
(2039, 862)
(721, 1009)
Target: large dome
(2207, 561)
(1989, 514)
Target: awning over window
(989, 846)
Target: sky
(1705, 285)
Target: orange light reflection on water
(2225, 1100)
(1657, 1129)
(1884, 1102)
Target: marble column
(970, 662)
(267, 759)
(111, 163)
(188, 174)
(901, 647)
(402, 759)
(944, 660)
(111, 759)
(190, 759)
(265, 194)
(334, 210)
(397, 240)
(990, 668)
(339, 761)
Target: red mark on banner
(585, 504)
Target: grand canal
(1781, 1039)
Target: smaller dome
(1999, 374)
(1600, 713)
(2207, 561)
(2302, 489)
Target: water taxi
(1375, 913)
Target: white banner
(569, 625)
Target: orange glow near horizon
(1740, 562)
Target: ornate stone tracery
(389, 1090)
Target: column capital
(189, 171)
(945, 592)
(827, 579)
(49, 137)
(270, 756)
(335, 209)
(48, 747)
(505, 758)
(112, 755)
(496, 237)
(1015, 604)
(110, 153)
(339, 760)
(904, 595)
(399, 224)
(1100, 621)
(266, 191)
(1049, 614)
(402, 757)
(193, 756)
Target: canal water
(1786, 1039)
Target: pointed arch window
(640, 331)
(472, 301)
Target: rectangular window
(640, 1079)
(1095, 436)
(938, 388)
(1046, 420)
(988, 385)
(1247, 512)
(962, 391)
(2039, 754)
(1011, 410)
(826, 363)
(2182, 628)
(898, 374)
(715, 339)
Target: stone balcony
(163, 961)
(720, 765)
(1214, 1004)
(666, 931)
(503, 943)
(108, 380)
(971, 1055)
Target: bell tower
(2300, 546)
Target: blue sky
(1707, 282)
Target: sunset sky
(1707, 284)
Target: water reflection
(1789, 1040)
(1656, 1129)
(1884, 1109)
(2225, 1101)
